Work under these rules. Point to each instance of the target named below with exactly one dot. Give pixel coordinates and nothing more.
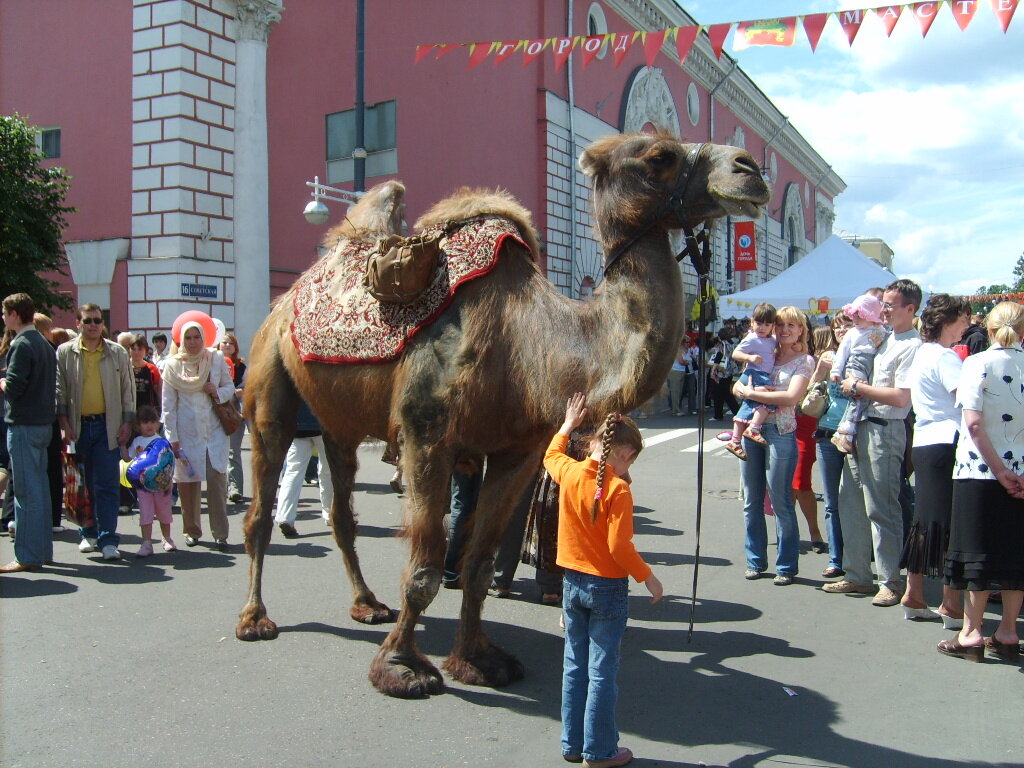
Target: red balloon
(195, 316)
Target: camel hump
(469, 203)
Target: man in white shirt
(870, 512)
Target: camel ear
(594, 161)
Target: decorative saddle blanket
(338, 321)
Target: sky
(928, 134)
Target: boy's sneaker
(622, 757)
(145, 550)
(110, 552)
(169, 545)
(87, 545)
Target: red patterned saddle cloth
(338, 321)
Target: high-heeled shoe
(952, 622)
(919, 614)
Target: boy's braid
(606, 446)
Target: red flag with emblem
(780, 32)
(744, 246)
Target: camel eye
(661, 160)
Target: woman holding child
(772, 465)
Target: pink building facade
(191, 127)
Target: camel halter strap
(672, 204)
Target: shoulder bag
(228, 416)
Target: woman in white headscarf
(193, 377)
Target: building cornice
(740, 94)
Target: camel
(489, 379)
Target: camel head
(635, 174)
(380, 211)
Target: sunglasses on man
(92, 321)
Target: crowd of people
(876, 397)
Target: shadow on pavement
(14, 586)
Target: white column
(251, 208)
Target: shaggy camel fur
(490, 379)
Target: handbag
(77, 503)
(228, 416)
(816, 400)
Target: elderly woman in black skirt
(986, 538)
(934, 379)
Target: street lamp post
(359, 153)
(316, 212)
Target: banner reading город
(744, 246)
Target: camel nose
(744, 163)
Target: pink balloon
(195, 316)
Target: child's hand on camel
(575, 411)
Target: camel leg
(399, 668)
(475, 660)
(343, 464)
(271, 405)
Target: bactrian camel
(490, 378)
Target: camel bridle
(698, 248)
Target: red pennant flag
(505, 50)
(889, 15)
(963, 11)
(591, 47)
(443, 49)
(717, 34)
(652, 44)
(532, 50)
(685, 38)
(621, 46)
(780, 32)
(478, 52)
(1003, 9)
(925, 13)
(851, 21)
(562, 47)
(814, 25)
(422, 51)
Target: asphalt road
(136, 663)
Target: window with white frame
(379, 140)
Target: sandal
(952, 647)
(736, 450)
(755, 435)
(1002, 650)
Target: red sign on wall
(744, 246)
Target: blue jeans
(27, 444)
(465, 491)
(101, 473)
(770, 466)
(753, 378)
(595, 621)
(830, 463)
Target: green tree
(32, 217)
(1018, 274)
(994, 288)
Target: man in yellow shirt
(95, 409)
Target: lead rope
(698, 249)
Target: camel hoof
(372, 613)
(405, 675)
(492, 667)
(263, 629)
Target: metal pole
(359, 153)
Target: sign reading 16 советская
(198, 291)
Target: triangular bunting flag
(1003, 9)
(533, 49)
(813, 27)
(889, 15)
(443, 49)
(963, 11)
(851, 21)
(562, 47)
(478, 52)
(422, 51)
(591, 47)
(717, 34)
(621, 46)
(652, 44)
(685, 37)
(505, 50)
(925, 13)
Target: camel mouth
(740, 205)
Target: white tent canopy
(834, 270)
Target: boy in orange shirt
(595, 546)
